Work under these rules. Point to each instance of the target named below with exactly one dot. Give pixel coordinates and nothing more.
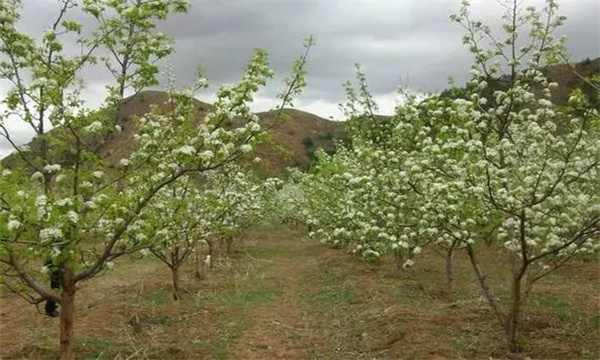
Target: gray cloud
(409, 42)
(398, 42)
(402, 42)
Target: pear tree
(62, 205)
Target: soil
(279, 295)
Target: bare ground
(282, 296)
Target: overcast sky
(408, 43)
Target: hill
(294, 141)
(291, 142)
(287, 146)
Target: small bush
(308, 142)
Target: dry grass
(281, 296)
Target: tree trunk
(513, 317)
(514, 314)
(398, 259)
(197, 274)
(210, 252)
(229, 243)
(482, 279)
(450, 269)
(176, 288)
(67, 315)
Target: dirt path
(315, 315)
(280, 328)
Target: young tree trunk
(197, 274)
(67, 315)
(175, 277)
(481, 278)
(228, 243)
(398, 259)
(450, 269)
(512, 322)
(211, 252)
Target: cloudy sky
(411, 43)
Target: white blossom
(13, 224)
(50, 234)
(206, 155)
(37, 176)
(73, 216)
(186, 149)
(52, 168)
(94, 127)
(246, 148)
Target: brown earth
(281, 296)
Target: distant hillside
(567, 76)
(291, 142)
(567, 80)
(294, 142)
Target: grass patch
(246, 297)
(271, 252)
(156, 297)
(327, 289)
(243, 290)
(413, 294)
(557, 303)
(99, 348)
(231, 325)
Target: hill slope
(285, 148)
(294, 141)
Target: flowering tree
(527, 165)
(174, 226)
(244, 201)
(64, 207)
(496, 163)
(375, 185)
(216, 206)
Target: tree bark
(175, 277)
(481, 278)
(229, 244)
(211, 252)
(450, 269)
(197, 274)
(67, 315)
(398, 259)
(512, 322)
